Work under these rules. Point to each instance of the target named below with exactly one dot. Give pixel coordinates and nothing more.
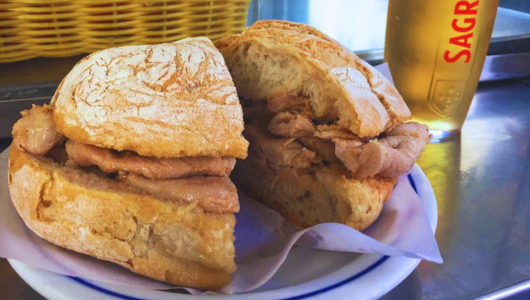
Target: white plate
(306, 273)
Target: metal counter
(482, 184)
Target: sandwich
(130, 162)
(328, 133)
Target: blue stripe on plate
(412, 183)
(303, 296)
(103, 290)
(341, 283)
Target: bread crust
(89, 214)
(366, 103)
(167, 100)
(364, 198)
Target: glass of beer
(435, 51)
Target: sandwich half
(328, 133)
(130, 162)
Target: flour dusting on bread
(183, 89)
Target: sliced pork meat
(285, 102)
(111, 161)
(281, 151)
(286, 124)
(323, 148)
(334, 131)
(390, 156)
(361, 159)
(35, 132)
(213, 194)
(412, 129)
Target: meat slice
(111, 161)
(280, 151)
(334, 131)
(286, 124)
(410, 139)
(285, 102)
(361, 159)
(213, 194)
(36, 132)
(323, 148)
(391, 156)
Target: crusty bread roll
(91, 214)
(326, 131)
(167, 100)
(273, 57)
(130, 162)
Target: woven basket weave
(57, 28)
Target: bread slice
(166, 100)
(274, 57)
(91, 214)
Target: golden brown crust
(340, 82)
(166, 100)
(167, 241)
(364, 198)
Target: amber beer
(435, 51)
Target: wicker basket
(57, 28)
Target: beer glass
(435, 51)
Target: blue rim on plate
(303, 296)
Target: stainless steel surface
(505, 66)
(482, 185)
(511, 23)
(514, 291)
